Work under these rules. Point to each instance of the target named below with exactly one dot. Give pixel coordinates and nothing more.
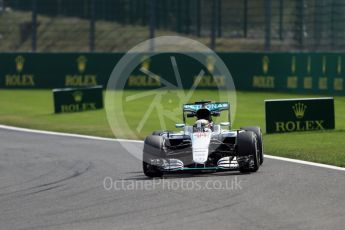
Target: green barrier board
(77, 100)
(321, 73)
(62, 70)
(289, 115)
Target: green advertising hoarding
(78, 99)
(290, 115)
(289, 72)
(41, 70)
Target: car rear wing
(213, 107)
(189, 110)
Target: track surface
(54, 182)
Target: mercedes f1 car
(203, 145)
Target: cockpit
(204, 121)
(204, 111)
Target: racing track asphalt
(55, 182)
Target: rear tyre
(247, 147)
(258, 133)
(153, 149)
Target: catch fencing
(118, 25)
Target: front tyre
(153, 147)
(258, 133)
(247, 149)
(157, 132)
(151, 170)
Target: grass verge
(34, 109)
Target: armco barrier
(298, 72)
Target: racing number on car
(200, 134)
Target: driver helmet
(204, 114)
(204, 119)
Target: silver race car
(203, 145)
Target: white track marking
(305, 162)
(66, 134)
(138, 141)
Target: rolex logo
(20, 63)
(293, 65)
(78, 96)
(265, 64)
(210, 62)
(299, 109)
(146, 62)
(81, 61)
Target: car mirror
(180, 125)
(216, 114)
(225, 123)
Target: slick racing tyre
(157, 132)
(160, 132)
(248, 152)
(153, 149)
(258, 133)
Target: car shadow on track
(180, 175)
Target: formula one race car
(203, 145)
